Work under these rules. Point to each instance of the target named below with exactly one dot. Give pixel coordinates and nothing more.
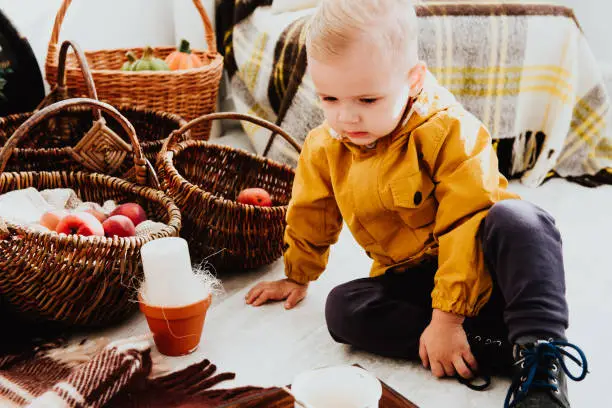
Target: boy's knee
(518, 217)
(345, 309)
(336, 311)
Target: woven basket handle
(228, 115)
(60, 87)
(140, 163)
(208, 28)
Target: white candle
(169, 278)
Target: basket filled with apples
(80, 266)
(233, 203)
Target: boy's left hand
(444, 346)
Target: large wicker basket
(204, 180)
(49, 146)
(76, 280)
(188, 93)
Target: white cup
(169, 278)
(337, 387)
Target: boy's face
(362, 95)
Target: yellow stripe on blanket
(585, 109)
(503, 76)
(250, 128)
(249, 73)
(513, 92)
(585, 132)
(503, 80)
(448, 28)
(494, 69)
(280, 68)
(490, 90)
(604, 149)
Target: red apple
(119, 225)
(255, 196)
(82, 223)
(98, 214)
(131, 210)
(50, 219)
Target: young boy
(458, 261)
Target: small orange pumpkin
(183, 58)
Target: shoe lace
(539, 364)
(487, 351)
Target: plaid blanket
(526, 70)
(101, 374)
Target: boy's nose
(347, 116)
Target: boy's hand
(277, 290)
(444, 346)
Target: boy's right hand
(278, 290)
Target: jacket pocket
(361, 235)
(414, 199)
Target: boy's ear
(416, 77)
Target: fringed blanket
(526, 70)
(98, 374)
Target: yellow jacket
(421, 191)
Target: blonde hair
(389, 25)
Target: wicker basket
(188, 93)
(204, 180)
(76, 280)
(49, 146)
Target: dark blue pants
(386, 315)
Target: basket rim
(141, 49)
(215, 64)
(120, 106)
(141, 109)
(170, 229)
(124, 107)
(168, 163)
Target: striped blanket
(100, 374)
(526, 70)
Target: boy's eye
(329, 99)
(369, 100)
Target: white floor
(269, 346)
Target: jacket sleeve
(468, 184)
(313, 218)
